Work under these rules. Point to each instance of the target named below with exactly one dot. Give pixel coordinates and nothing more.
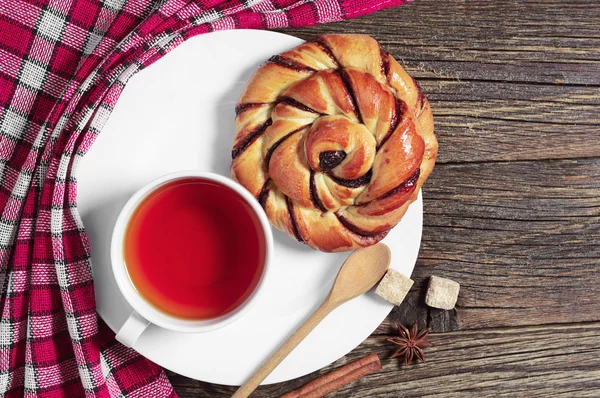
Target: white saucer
(179, 114)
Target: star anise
(411, 343)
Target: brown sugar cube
(442, 293)
(394, 287)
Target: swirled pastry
(334, 139)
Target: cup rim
(135, 299)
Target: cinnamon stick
(338, 378)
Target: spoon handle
(249, 386)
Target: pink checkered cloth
(63, 64)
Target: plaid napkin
(63, 64)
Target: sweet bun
(335, 140)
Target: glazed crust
(335, 140)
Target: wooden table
(512, 209)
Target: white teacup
(144, 313)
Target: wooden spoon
(359, 273)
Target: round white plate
(179, 114)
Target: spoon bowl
(359, 273)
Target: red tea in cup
(194, 249)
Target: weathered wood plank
(522, 238)
(478, 121)
(556, 360)
(507, 80)
(546, 41)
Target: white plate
(179, 114)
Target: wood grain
(557, 360)
(507, 80)
(512, 209)
(522, 239)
